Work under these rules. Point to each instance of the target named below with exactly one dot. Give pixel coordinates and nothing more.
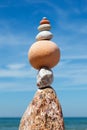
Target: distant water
(9, 123)
(70, 123)
(75, 123)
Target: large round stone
(44, 53)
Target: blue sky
(19, 20)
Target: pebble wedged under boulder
(43, 113)
(44, 77)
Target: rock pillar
(44, 112)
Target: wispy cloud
(13, 39)
(72, 74)
(20, 78)
(17, 72)
(17, 86)
(69, 88)
(71, 41)
(73, 77)
(75, 26)
(10, 36)
(60, 12)
(74, 57)
(52, 7)
(16, 66)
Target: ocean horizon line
(63, 117)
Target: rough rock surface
(44, 77)
(43, 113)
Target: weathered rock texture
(44, 77)
(43, 113)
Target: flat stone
(44, 27)
(44, 35)
(44, 77)
(43, 113)
(44, 21)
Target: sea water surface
(9, 123)
(70, 123)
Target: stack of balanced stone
(44, 112)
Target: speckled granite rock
(44, 112)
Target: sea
(70, 123)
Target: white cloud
(13, 39)
(17, 86)
(75, 26)
(73, 47)
(69, 88)
(20, 78)
(52, 6)
(10, 37)
(16, 66)
(15, 72)
(70, 74)
(73, 57)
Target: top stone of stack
(44, 28)
(44, 21)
